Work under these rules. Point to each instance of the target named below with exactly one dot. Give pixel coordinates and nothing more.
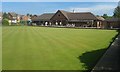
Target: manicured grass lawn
(42, 48)
(0, 48)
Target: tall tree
(105, 16)
(5, 15)
(35, 15)
(31, 15)
(28, 14)
(117, 11)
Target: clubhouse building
(75, 19)
(112, 23)
(69, 19)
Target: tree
(105, 16)
(31, 15)
(35, 15)
(117, 12)
(28, 14)
(5, 15)
(97, 15)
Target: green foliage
(5, 15)
(28, 14)
(97, 15)
(5, 22)
(22, 22)
(31, 15)
(117, 12)
(106, 16)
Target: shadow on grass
(91, 58)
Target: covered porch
(81, 23)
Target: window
(59, 15)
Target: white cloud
(60, 0)
(98, 9)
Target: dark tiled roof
(0, 14)
(65, 13)
(112, 19)
(13, 14)
(81, 16)
(100, 18)
(68, 15)
(46, 16)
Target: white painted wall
(14, 21)
(0, 19)
(46, 23)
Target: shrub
(22, 22)
(5, 22)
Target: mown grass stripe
(42, 48)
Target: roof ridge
(80, 12)
(64, 13)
